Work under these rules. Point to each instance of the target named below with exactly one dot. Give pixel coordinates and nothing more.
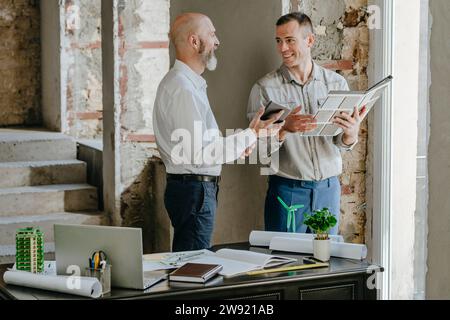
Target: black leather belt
(193, 177)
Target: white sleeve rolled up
(338, 249)
(263, 238)
(86, 287)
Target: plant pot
(322, 250)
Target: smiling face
(209, 43)
(194, 37)
(294, 43)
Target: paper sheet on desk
(234, 262)
(237, 262)
(230, 268)
(154, 265)
(80, 286)
(154, 262)
(263, 238)
(338, 249)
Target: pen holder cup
(103, 276)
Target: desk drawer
(335, 292)
(267, 296)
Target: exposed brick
(346, 190)
(351, 18)
(159, 22)
(150, 45)
(355, 48)
(20, 63)
(346, 45)
(89, 45)
(145, 138)
(92, 128)
(336, 65)
(138, 113)
(84, 79)
(143, 61)
(86, 116)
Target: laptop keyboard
(152, 279)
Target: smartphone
(273, 108)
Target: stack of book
(195, 272)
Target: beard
(209, 59)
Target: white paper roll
(338, 249)
(263, 238)
(80, 286)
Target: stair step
(35, 145)
(41, 200)
(38, 173)
(9, 225)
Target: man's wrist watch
(349, 145)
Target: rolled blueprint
(263, 238)
(337, 249)
(81, 286)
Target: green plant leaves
(320, 221)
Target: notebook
(195, 272)
(214, 281)
(345, 101)
(237, 262)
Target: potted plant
(320, 222)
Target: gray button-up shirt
(302, 158)
(186, 130)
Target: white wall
(404, 133)
(438, 278)
(421, 215)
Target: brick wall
(19, 63)
(144, 60)
(355, 48)
(139, 47)
(343, 45)
(82, 71)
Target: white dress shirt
(186, 130)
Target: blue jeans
(192, 207)
(314, 195)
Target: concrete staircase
(41, 183)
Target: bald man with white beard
(188, 138)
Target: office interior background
(79, 79)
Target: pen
(293, 268)
(96, 260)
(322, 123)
(189, 256)
(307, 260)
(177, 258)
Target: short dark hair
(301, 18)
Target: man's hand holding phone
(266, 128)
(297, 122)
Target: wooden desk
(344, 280)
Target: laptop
(74, 245)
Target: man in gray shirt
(307, 169)
(188, 138)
